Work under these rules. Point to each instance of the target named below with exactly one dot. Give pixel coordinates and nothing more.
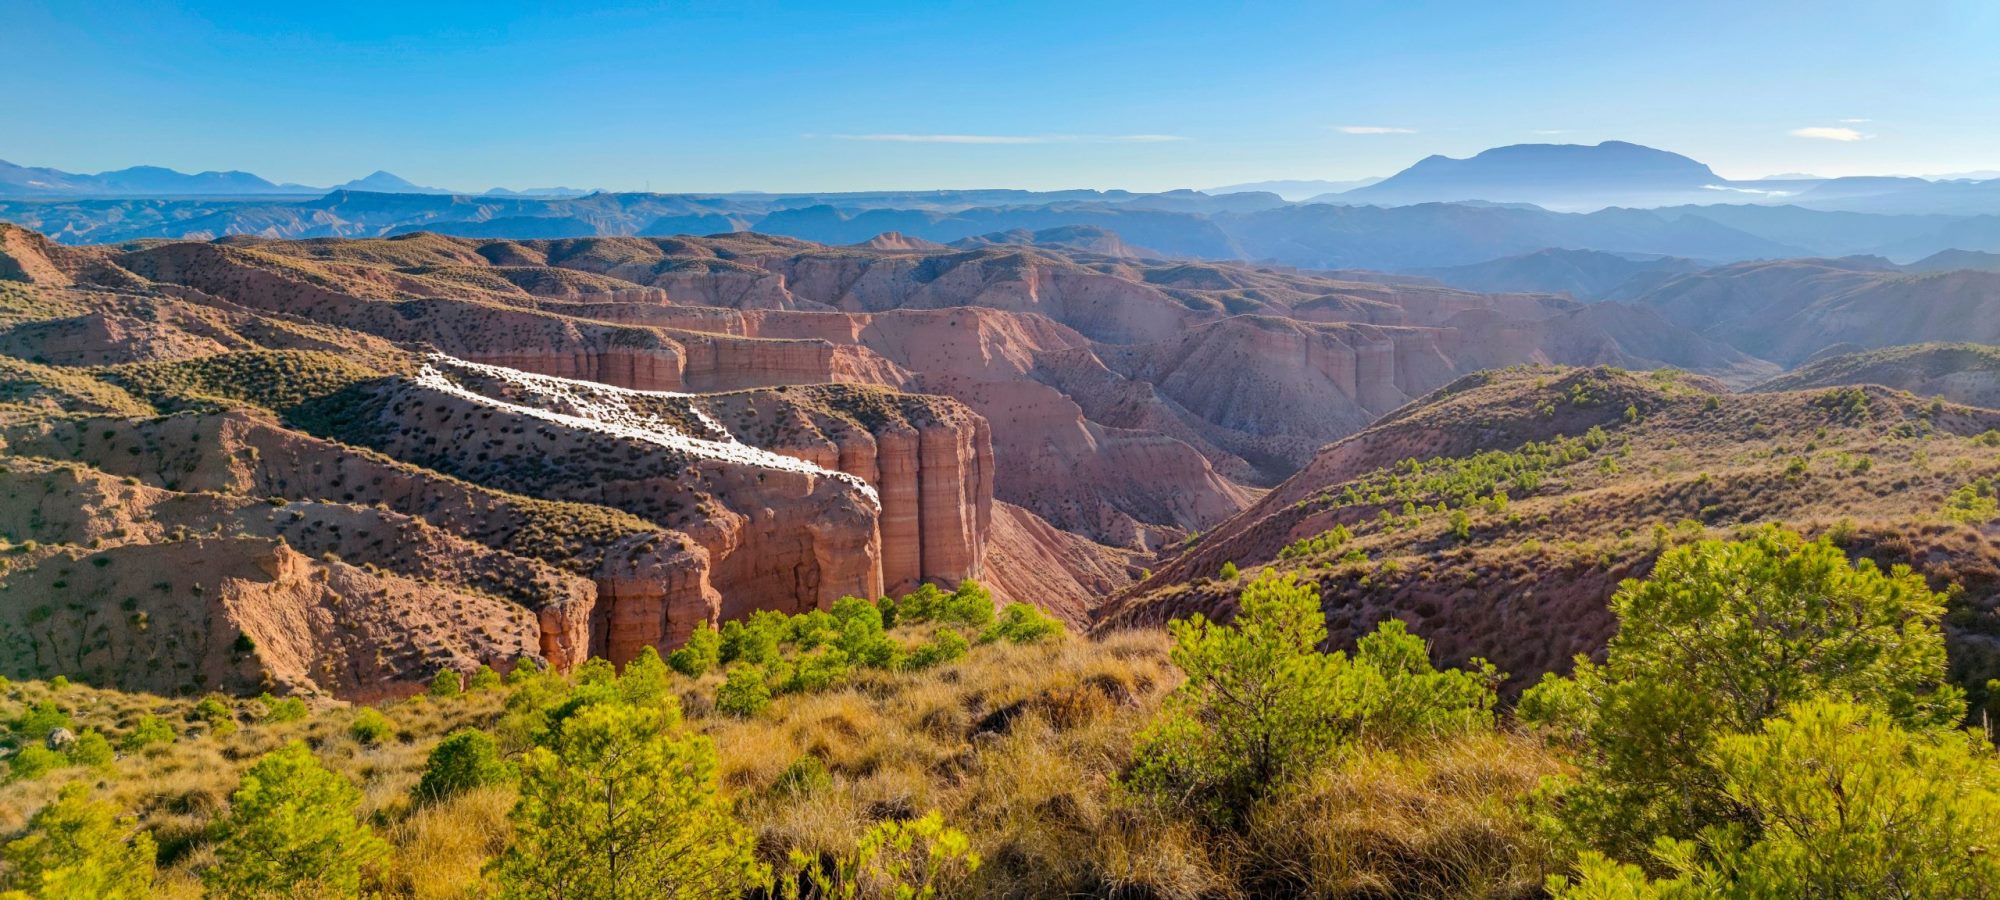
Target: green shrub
(370, 727)
(702, 652)
(445, 685)
(1261, 705)
(1230, 572)
(902, 858)
(645, 680)
(92, 749)
(77, 848)
(811, 630)
(1326, 541)
(622, 803)
(595, 671)
(1834, 800)
(970, 606)
(483, 679)
(816, 671)
(216, 712)
(914, 608)
(288, 709)
(1415, 698)
(292, 830)
(33, 761)
(148, 731)
(863, 635)
(745, 693)
(947, 644)
(466, 759)
(1020, 623)
(1974, 504)
(1722, 637)
(755, 641)
(41, 718)
(525, 669)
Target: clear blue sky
(835, 96)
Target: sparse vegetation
(1243, 759)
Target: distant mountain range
(1460, 221)
(1557, 177)
(154, 181)
(1248, 227)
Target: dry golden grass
(439, 850)
(1020, 746)
(1441, 821)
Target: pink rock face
(724, 363)
(644, 370)
(779, 498)
(954, 500)
(897, 460)
(651, 595)
(929, 460)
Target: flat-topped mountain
(1563, 176)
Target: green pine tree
(621, 803)
(292, 831)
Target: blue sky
(833, 96)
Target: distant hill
(1960, 373)
(386, 183)
(1582, 274)
(135, 181)
(1295, 189)
(1951, 260)
(1557, 176)
(156, 181)
(1086, 238)
(1787, 311)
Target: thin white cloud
(1375, 129)
(1551, 131)
(945, 138)
(1012, 138)
(1830, 134)
(1855, 121)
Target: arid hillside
(588, 446)
(300, 493)
(1497, 514)
(1788, 311)
(1959, 373)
